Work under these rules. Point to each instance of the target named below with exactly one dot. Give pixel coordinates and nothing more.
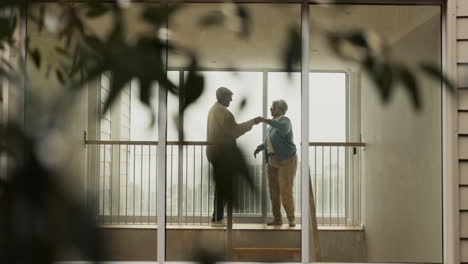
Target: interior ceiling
(221, 48)
(391, 22)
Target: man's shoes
(220, 223)
(276, 222)
(292, 221)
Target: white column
(305, 132)
(451, 229)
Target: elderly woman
(281, 162)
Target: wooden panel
(463, 172)
(463, 122)
(268, 254)
(462, 28)
(463, 148)
(464, 224)
(463, 99)
(464, 198)
(464, 251)
(462, 75)
(462, 8)
(462, 51)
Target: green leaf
(293, 51)
(59, 76)
(194, 85)
(246, 20)
(62, 51)
(358, 38)
(436, 72)
(159, 15)
(96, 9)
(7, 28)
(214, 18)
(243, 103)
(411, 84)
(35, 55)
(117, 85)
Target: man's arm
(235, 129)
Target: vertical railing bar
(194, 186)
(252, 169)
(255, 186)
(172, 158)
(180, 182)
(315, 191)
(134, 172)
(353, 190)
(337, 185)
(104, 188)
(118, 186)
(127, 153)
(201, 184)
(353, 179)
(149, 182)
(359, 184)
(247, 191)
(323, 185)
(244, 197)
(111, 166)
(88, 185)
(209, 185)
(330, 187)
(97, 172)
(186, 183)
(141, 184)
(156, 183)
(258, 193)
(239, 187)
(350, 188)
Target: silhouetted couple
(278, 147)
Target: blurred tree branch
(31, 200)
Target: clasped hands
(259, 119)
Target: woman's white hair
(282, 105)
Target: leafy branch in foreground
(83, 55)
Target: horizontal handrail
(124, 178)
(205, 143)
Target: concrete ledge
(256, 227)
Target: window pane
(243, 66)
(327, 107)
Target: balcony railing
(122, 179)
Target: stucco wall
(403, 169)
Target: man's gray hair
(282, 105)
(222, 92)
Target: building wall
(403, 159)
(462, 83)
(139, 244)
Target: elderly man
(282, 162)
(222, 132)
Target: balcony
(122, 176)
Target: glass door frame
(449, 142)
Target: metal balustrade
(122, 184)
